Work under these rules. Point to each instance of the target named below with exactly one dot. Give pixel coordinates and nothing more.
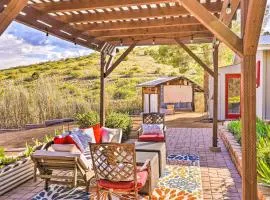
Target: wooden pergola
(102, 25)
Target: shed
(169, 94)
(229, 80)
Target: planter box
(235, 151)
(13, 175)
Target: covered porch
(105, 25)
(218, 178)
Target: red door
(232, 96)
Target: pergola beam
(149, 31)
(46, 23)
(220, 30)
(227, 18)
(160, 41)
(255, 15)
(14, 7)
(136, 14)
(120, 59)
(126, 25)
(181, 36)
(196, 58)
(68, 6)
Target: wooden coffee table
(141, 157)
(156, 147)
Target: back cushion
(74, 139)
(152, 128)
(97, 132)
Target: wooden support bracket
(196, 58)
(213, 24)
(120, 59)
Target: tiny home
(230, 86)
(169, 94)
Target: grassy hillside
(31, 94)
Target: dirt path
(10, 140)
(17, 139)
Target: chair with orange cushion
(153, 119)
(116, 171)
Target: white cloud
(15, 52)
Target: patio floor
(220, 179)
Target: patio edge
(235, 152)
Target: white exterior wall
(236, 69)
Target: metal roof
(163, 80)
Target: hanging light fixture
(47, 33)
(191, 39)
(154, 42)
(229, 8)
(75, 43)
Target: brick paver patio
(220, 179)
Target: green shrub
(119, 120)
(262, 129)
(263, 171)
(122, 93)
(235, 128)
(4, 160)
(86, 120)
(157, 70)
(263, 147)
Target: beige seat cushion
(65, 148)
(57, 154)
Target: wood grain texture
(248, 122)
(102, 88)
(220, 30)
(14, 7)
(215, 102)
(136, 14)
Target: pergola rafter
(136, 24)
(135, 14)
(104, 24)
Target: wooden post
(14, 7)
(193, 98)
(248, 121)
(215, 147)
(102, 88)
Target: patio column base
(215, 149)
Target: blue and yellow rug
(181, 181)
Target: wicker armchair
(116, 171)
(153, 118)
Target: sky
(22, 45)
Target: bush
(4, 160)
(263, 147)
(119, 120)
(86, 120)
(235, 128)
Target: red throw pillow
(97, 133)
(71, 140)
(59, 139)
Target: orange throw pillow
(97, 133)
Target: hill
(34, 93)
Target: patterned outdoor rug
(56, 192)
(181, 180)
